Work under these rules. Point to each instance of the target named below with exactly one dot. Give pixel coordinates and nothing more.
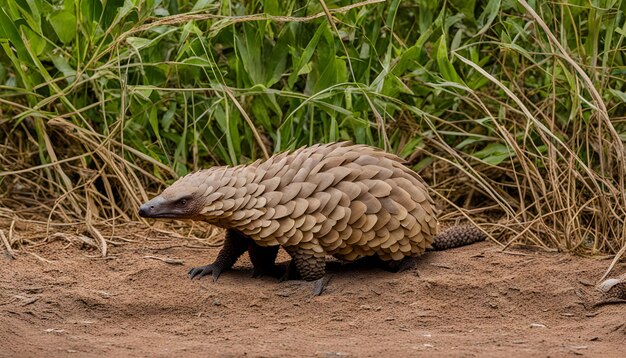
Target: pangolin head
(184, 199)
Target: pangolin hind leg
(310, 266)
(405, 264)
(291, 272)
(263, 259)
(235, 244)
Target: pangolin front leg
(235, 244)
(310, 266)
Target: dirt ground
(470, 301)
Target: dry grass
(515, 116)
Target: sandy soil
(469, 301)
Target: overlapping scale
(339, 199)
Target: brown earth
(469, 301)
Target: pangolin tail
(456, 236)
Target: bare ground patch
(470, 301)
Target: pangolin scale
(348, 201)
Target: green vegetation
(511, 110)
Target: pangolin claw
(320, 284)
(201, 271)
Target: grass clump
(512, 109)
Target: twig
(39, 257)
(618, 256)
(178, 236)
(97, 234)
(194, 247)
(250, 124)
(12, 231)
(176, 19)
(6, 243)
(167, 260)
(441, 266)
(513, 253)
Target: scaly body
(348, 201)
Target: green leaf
(201, 4)
(154, 122)
(197, 61)
(123, 10)
(618, 94)
(469, 140)
(168, 117)
(138, 43)
(494, 153)
(408, 58)
(466, 7)
(250, 54)
(261, 114)
(276, 62)
(328, 69)
(392, 11)
(271, 7)
(142, 92)
(64, 25)
(423, 164)
(409, 148)
(9, 31)
(62, 65)
(299, 67)
(35, 41)
(29, 11)
(445, 66)
(488, 15)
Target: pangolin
(339, 199)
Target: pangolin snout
(144, 210)
(150, 209)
